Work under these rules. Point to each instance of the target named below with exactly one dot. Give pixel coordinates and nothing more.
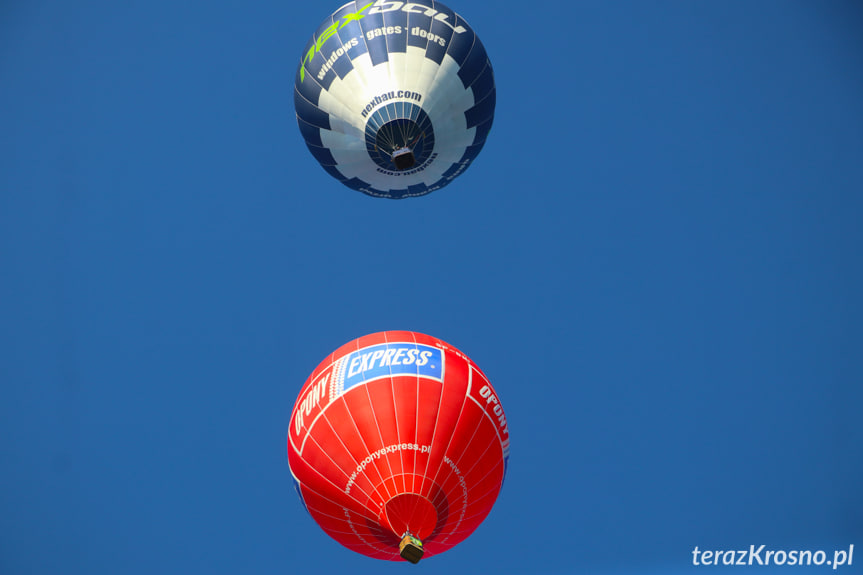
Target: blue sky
(656, 260)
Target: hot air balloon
(394, 99)
(398, 445)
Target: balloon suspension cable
(411, 548)
(413, 142)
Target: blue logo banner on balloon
(386, 360)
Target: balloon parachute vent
(403, 158)
(411, 548)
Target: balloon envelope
(398, 432)
(394, 99)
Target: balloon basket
(411, 548)
(403, 158)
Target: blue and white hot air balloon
(394, 99)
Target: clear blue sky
(656, 260)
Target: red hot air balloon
(398, 445)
